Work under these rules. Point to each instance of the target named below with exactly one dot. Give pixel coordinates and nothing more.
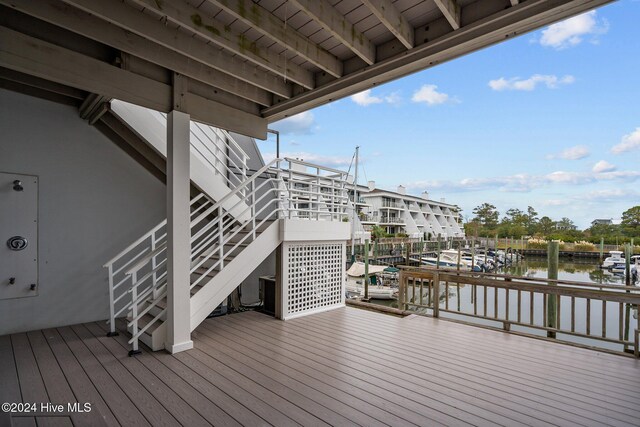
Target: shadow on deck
(342, 367)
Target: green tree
(515, 217)
(595, 232)
(472, 228)
(565, 224)
(487, 215)
(546, 225)
(531, 223)
(631, 221)
(378, 232)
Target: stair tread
(260, 228)
(214, 258)
(144, 321)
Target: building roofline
(381, 192)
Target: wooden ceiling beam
(132, 20)
(29, 55)
(481, 31)
(221, 35)
(336, 24)
(391, 18)
(57, 13)
(451, 10)
(271, 26)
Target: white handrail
(294, 194)
(146, 236)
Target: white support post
(112, 308)
(178, 232)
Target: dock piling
(366, 270)
(601, 249)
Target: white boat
(449, 259)
(355, 283)
(611, 261)
(356, 290)
(433, 262)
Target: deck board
(355, 403)
(10, 390)
(119, 404)
(188, 406)
(447, 375)
(341, 367)
(79, 382)
(422, 387)
(510, 379)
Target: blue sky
(550, 119)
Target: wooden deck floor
(343, 367)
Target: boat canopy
(357, 269)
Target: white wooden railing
(284, 188)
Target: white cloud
(576, 152)
(563, 177)
(629, 142)
(331, 161)
(516, 83)
(592, 197)
(365, 98)
(300, 124)
(572, 31)
(524, 182)
(609, 194)
(393, 98)
(555, 202)
(429, 95)
(603, 166)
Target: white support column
(178, 234)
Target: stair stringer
(152, 128)
(158, 337)
(233, 273)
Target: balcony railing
(391, 220)
(367, 218)
(389, 204)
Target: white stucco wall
(93, 201)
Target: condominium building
(400, 213)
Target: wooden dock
(343, 367)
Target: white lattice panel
(313, 277)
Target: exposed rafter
(335, 23)
(271, 26)
(216, 32)
(451, 10)
(224, 88)
(391, 18)
(26, 54)
(153, 30)
(485, 31)
(53, 11)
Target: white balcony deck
(343, 367)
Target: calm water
(580, 270)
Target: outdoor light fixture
(17, 185)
